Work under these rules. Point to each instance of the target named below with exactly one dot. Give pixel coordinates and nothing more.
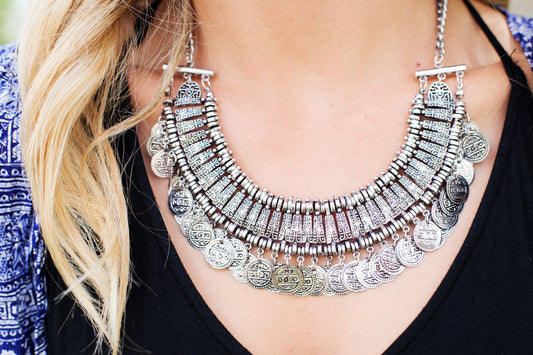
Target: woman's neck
(265, 39)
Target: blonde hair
(73, 58)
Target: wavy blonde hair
(73, 59)
(73, 56)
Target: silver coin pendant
(379, 272)
(334, 279)
(161, 164)
(349, 277)
(288, 278)
(466, 169)
(408, 253)
(388, 260)
(427, 235)
(320, 280)
(180, 201)
(364, 275)
(441, 219)
(259, 273)
(219, 253)
(457, 189)
(308, 284)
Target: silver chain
(442, 6)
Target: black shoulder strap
(493, 40)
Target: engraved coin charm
(408, 253)
(457, 189)
(364, 275)
(349, 277)
(377, 271)
(180, 201)
(241, 253)
(239, 272)
(200, 234)
(447, 206)
(335, 279)
(388, 260)
(308, 284)
(466, 169)
(219, 253)
(427, 236)
(259, 273)
(155, 144)
(161, 164)
(320, 280)
(475, 147)
(441, 219)
(288, 278)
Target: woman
(313, 98)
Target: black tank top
(484, 305)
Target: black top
(484, 305)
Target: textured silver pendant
(457, 189)
(342, 226)
(411, 187)
(240, 216)
(349, 277)
(366, 221)
(331, 229)
(364, 275)
(318, 230)
(466, 169)
(307, 226)
(252, 216)
(429, 159)
(189, 112)
(320, 280)
(219, 253)
(155, 144)
(189, 126)
(441, 219)
(405, 200)
(378, 271)
(355, 222)
(259, 273)
(162, 165)
(288, 278)
(239, 272)
(447, 206)
(440, 95)
(262, 221)
(393, 202)
(271, 287)
(427, 235)
(408, 253)
(241, 253)
(189, 93)
(475, 147)
(180, 201)
(309, 281)
(195, 214)
(297, 229)
(273, 225)
(200, 234)
(231, 208)
(334, 279)
(189, 139)
(385, 209)
(285, 228)
(442, 138)
(434, 149)
(376, 217)
(328, 291)
(389, 261)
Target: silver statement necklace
(405, 212)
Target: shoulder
(522, 30)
